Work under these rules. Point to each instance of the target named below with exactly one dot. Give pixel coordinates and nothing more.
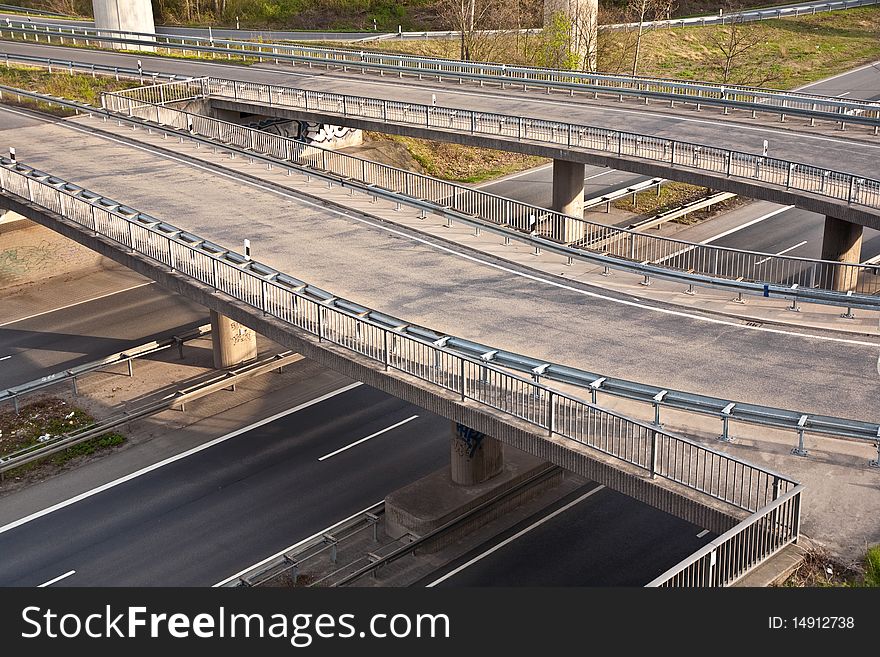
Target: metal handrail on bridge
(725, 410)
(649, 253)
(753, 99)
(322, 316)
(612, 248)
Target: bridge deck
(409, 278)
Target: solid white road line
(702, 533)
(365, 439)
(511, 539)
(872, 261)
(5, 357)
(78, 303)
(291, 547)
(783, 252)
(845, 93)
(172, 459)
(465, 256)
(839, 75)
(512, 176)
(56, 579)
(747, 224)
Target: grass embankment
(796, 51)
(40, 422)
(83, 88)
(821, 570)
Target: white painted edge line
(56, 579)
(5, 357)
(511, 539)
(702, 533)
(747, 224)
(872, 261)
(366, 438)
(77, 303)
(292, 547)
(512, 176)
(839, 75)
(380, 225)
(172, 459)
(783, 252)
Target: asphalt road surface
(200, 519)
(49, 342)
(593, 537)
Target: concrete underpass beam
(568, 198)
(233, 343)
(474, 456)
(841, 242)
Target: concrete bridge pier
(128, 15)
(475, 457)
(568, 198)
(841, 242)
(233, 343)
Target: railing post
(654, 454)
(385, 348)
(461, 377)
(551, 413)
(320, 323)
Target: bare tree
(737, 52)
(640, 13)
(483, 24)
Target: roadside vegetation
(673, 195)
(42, 421)
(820, 569)
(83, 88)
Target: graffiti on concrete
(471, 438)
(307, 131)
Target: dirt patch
(466, 164)
(821, 569)
(674, 195)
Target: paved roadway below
(57, 340)
(578, 541)
(202, 518)
(470, 297)
(834, 150)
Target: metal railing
(753, 99)
(309, 310)
(736, 552)
(725, 410)
(819, 181)
(618, 243)
(15, 393)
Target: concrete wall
(718, 181)
(134, 15)
(627, 479)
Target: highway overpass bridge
(718, 150)
(756, 510)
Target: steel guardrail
(71, 65)
(14, 393)
(731, 556)
(330, 320)
(752, 272)
(815, 180)
(725, 410)
(178, 398)
(753, 99)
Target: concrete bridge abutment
(841, 242)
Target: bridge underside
(660, 493)
(777, 194)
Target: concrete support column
(233, 343)
(475, 457)
(125, 16)
(576, 22)
(568, 198)
(841, 242)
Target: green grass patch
(82, 88)
(42, 421)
